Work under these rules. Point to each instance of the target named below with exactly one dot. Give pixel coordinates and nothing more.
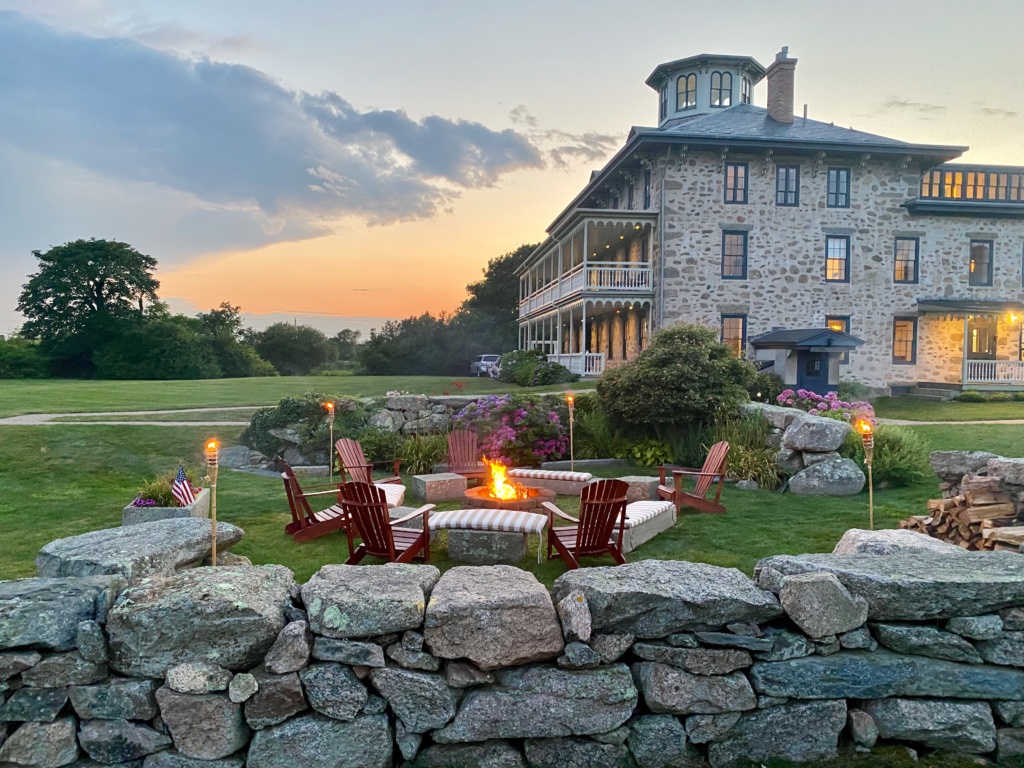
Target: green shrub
(900, 455)
(158, 490)
(686, 376)
(999, 397)
(650, 452)
(1018, 397)
(381, 444)
(750, 457)
(587, 402)
(765, 387)
(689, 445)
(20, 359)
(308, 417)
(971, 396)
(595, 438)
(531, 368)
(851, 391)
(421, 452)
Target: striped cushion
(394, 493)
(488, 520)
(641, 511)
(550, 474)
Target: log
(975, 483)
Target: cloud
(920, 107)
(998, 112)
(562, 148)
(231, 136)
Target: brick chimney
(780, 87)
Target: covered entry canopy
(975, 307)
(809, 339)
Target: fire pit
(499, 493)
(481, 497)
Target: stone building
(822, 251)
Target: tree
(685, 377)
(224, 322)
(20, 359)
(494, 301)
(294, 350)
(165, 348)
(85, 293)
(345, 343)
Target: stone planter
(198, 508)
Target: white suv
(484, 364)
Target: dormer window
(663, 111)
(745, 89)
(686, 92)
(721, 89)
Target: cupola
(700, 85)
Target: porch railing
(599, 275)
(994, 372)
(581, 363)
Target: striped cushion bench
(644, 521)
(524, 473)
(495, 520)
(394, 493)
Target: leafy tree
(20, 359)
(171, 348)
(294, 350)
(685, 377)
(85, 293)
(498, 292)
(237, 359)
(345, 343)
(223, 322)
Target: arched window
(745, 90)
(663, 112)
(686, 92)
(721, 89)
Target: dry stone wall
(647, 665)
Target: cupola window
(721, 89)
(745, 88)
(686, 92)
(663, 111)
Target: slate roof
(751, 123)
(800, 338)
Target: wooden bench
(561, 482)
(490, 521)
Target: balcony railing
(598, 276)
(582, 363)
(994, 372)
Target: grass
(21, 396)
(915, 409)
(64, 480)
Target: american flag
(182, 488)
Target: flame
(499, 487)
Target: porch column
(632, 333)
(963, 372)
(558, 332)
(602, 338)
(617, 336)
(572, 327)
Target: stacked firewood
(976, 514)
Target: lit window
(721, 89)
(734, 333)
(837, 259)
(686, 92)
(904, 340)
(906, 258)
(787, 185)
(745, 89)
(734, 255)
(839, 323)
(981, 263)
(735, 182)
(838, 188)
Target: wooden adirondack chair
(464, 454)
(382, 537)
(713, 471)
(350, 452)
(307, 524)
(601, 505)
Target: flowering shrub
(517, 431)
(157, 493)
(828, 405)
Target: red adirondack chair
(382, 537)
(307, 524)
(464, 454)
(350, 452)
(601, 505)
(713, 471)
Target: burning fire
(499, 487)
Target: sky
(339, 163)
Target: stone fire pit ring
(480, 498)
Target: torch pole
(211, 468)
(330, 445)
(867, 434)
(571, 402)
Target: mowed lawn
(64, 480)
(21, 396)
(914, 409)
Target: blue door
(812, 371)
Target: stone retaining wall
(651, 664)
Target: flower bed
(828, 405)
(517, 431)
